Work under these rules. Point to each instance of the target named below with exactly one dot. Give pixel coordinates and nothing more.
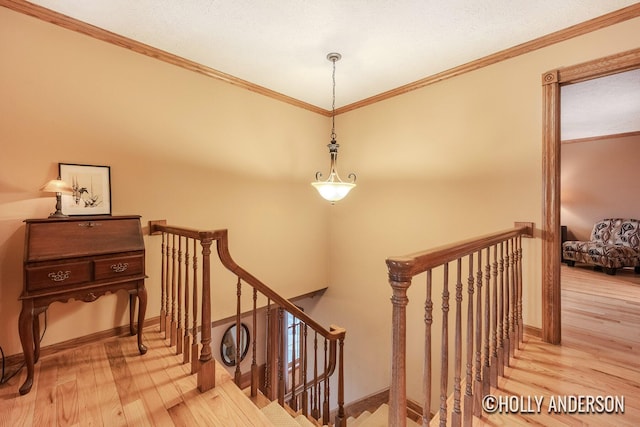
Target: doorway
(551, 254)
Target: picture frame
(91, 189)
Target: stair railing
(494, 326)
(298, 367)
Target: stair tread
(279, 416)
(355, 422)
(304, 421)
(379, 418)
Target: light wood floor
(108, 383)
(598, 356)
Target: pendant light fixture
(333, 189)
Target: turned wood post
(206, 372)
(341, 419)
(400, 280)
(163, 283)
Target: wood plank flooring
(108, 383)
(598, 356)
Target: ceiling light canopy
(333, 189)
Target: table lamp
(57, 186)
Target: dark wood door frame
(551, 82)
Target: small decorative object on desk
(91, 187)
(59, 187)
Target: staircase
(296, 359)
(282, 417)
(379, 418)
(278, 415)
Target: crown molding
(69, 23)
(73, 24)
(600, 22)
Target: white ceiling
(605, 106)
(282, 44)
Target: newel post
(206, 372)
(400, 280)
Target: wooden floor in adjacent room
(599, 355)
(109, 383)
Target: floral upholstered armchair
(615, 243)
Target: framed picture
(91, 189)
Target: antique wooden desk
(79, 258)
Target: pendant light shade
(333, 189)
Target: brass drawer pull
(89, 224)
(59, 276)
(120, 267)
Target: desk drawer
(106, 268)
(58, 275)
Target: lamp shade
(333, 191)
(57, 186)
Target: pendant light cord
(333, 104)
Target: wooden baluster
(477, 390)
(206, 372)
(456, 416)
(281, 356)
(292, 403)
(507, 285)
(167, 320)
(195, 362)
(486, 333)
(516, 296)
(519, 264)
(494, 319)
(269, 386)
(444, 369)
(316, 401)
(304, 376)
(513, 338)
(238, 374)
(186, 344)
(163, 294)
(174, 288)
(255, 374)
(500, 312)
(325, 403)
(428, 321)
(468, 396)
(179, 330)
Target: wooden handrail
(494, 319)
(230, 264)
(419, 262)
(275, 383)
(222, 239)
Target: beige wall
(600, 179)
(453, 160)
(181, 147)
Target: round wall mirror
(228, 344)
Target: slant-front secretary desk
(79, 258)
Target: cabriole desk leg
(142, 309)
(27, 339)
